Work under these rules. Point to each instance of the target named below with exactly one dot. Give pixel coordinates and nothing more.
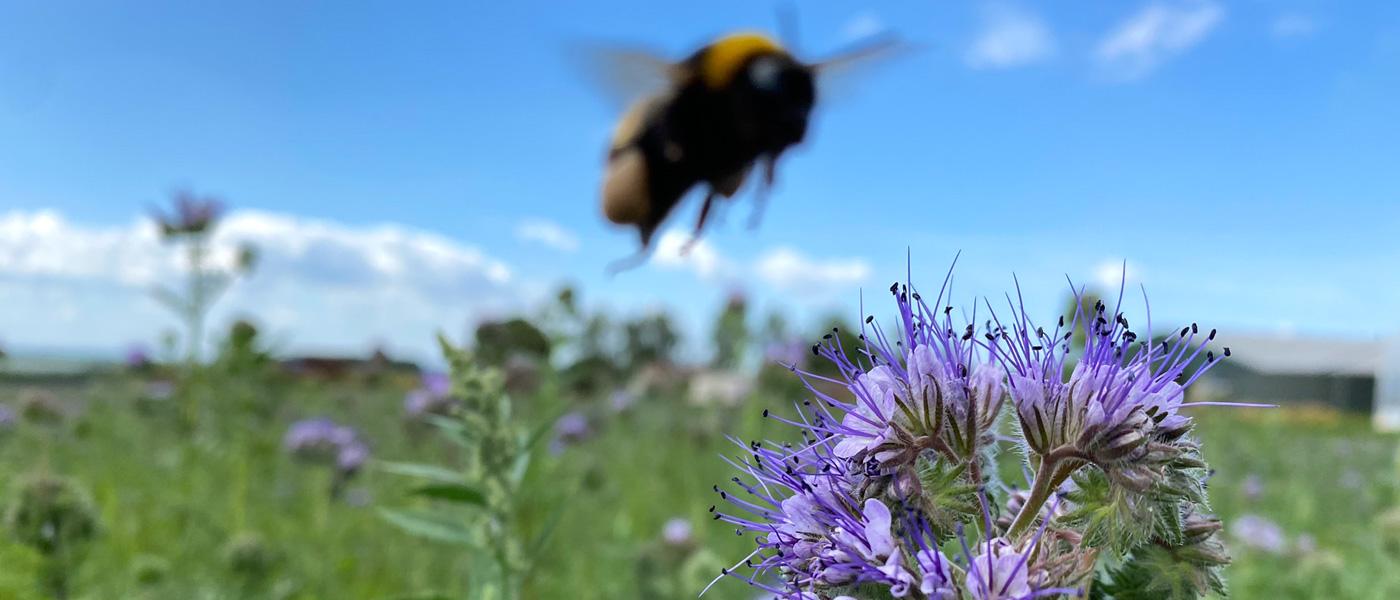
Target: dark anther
(1185, 330)
(1212, 335)
(765, 413)
(1194, 329)
(869, 319)
(1227, 351)
(894, 288)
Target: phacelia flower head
(929, 388)
(323, 441)
(1120, 403)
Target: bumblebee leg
(700, 224)
(760, 199)
(645, 231)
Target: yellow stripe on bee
(723, 58)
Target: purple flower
(7, 417)
(570, 429)
(137, 357)
(1252, 487)
(621, 400)
(1259, 533)
(323, 441)
(434, 397)
(930, 389)
(1121, 396)
(789, 353)
(677, 533)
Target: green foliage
(731, 333)
(1185, 569)
(498, 341)
(949, 496)
(480, 512)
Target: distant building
(329, 368)
(1361, 376)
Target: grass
(168, 497)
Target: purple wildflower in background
(7, 417)
(433, 397)
(621, 400)
(1252, 487)
(677, 533)
(570, 429)
(1259, 533)
(791, 353)
(137, 357)
(323, 441)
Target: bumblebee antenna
(788, 32)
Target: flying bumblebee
(734, 104)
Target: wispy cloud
(66, 283)
(862, 26)
(1009, 37)
(548, 233)
(1292, 25)
(791, 271)
(701, 258)
(1154, 35)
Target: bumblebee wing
(838, 73)
(622, 75)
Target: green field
(172, 499)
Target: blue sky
(419, 168)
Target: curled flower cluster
(323, 441)
(897, 451)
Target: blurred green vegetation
(221, 511)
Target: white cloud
(1292, 25)
(1154, 35)
(702, 258)
(1112, 273)
(862, 26)
(1010, 38)
(788, 270)
(547, 233)
(326, 283)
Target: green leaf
(430, 525)
(421, 471)
(460, 493)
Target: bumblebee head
(780, 89)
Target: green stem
(1047, 479)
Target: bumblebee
(737, 103)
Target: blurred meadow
(310, 302)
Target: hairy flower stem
(1054, 469)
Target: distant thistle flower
(192, 215)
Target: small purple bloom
(434, 397)
(1252, 487)
(677, 533)
(621, 400)
(137, 357)
(570, 429)
(1259, 533)
(788, 354)
(7, 417)
(323, 441)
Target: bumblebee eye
(765, 73)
